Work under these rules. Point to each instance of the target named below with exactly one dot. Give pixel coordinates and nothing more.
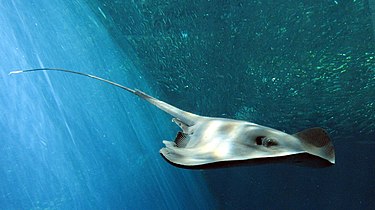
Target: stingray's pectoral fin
(169, 144)
(174, 151)
(317, 142)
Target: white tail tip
(15, 72)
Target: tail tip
(15, 72)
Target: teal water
(288, 64)
(73, 143)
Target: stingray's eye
(259, 140)
(268, 142)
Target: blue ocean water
(68, 142)
(71, 143)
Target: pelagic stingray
(206, 142)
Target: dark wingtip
(317, 142)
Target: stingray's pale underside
(206, 140)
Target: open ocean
(70, 142)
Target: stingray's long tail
(187, 117)
(74, 72)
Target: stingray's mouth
(181, 140)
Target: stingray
(205, 142)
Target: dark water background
(73, 143)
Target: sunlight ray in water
(55, 151)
